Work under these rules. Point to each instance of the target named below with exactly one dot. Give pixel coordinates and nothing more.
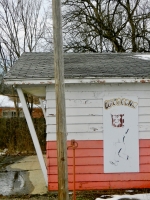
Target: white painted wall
(84, 109)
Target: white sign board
(121, 143)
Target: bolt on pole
(60, 102)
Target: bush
(15, 135)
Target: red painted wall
(90, 170)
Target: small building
(108, 116)
(8, 110)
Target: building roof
(39, 66)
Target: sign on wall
(121, 143)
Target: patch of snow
(5, 101)
(145, 196)
(143, 57)
(3, 152)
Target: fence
(15, 135)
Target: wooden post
(60, 102)
(33, 134)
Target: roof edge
(87, 80)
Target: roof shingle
(80, 65)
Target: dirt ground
(84, 195)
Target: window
(9, 114)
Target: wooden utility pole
(60, 102)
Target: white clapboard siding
(144, 102)
(90, 136)
(97, 95)
(99, 88)
(91, 111)
(84, 109)
(85, 128)
(70, 136)
(77, 103)
(78, 120)
(77, 112)
(92, 102)
(90, 119)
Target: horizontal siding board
(144, 135)
(95, 120)
(83, 153)
(76, 103)
(145, 151)
(83, 161)
(79, 128)
(145, 160)
(104, 185)
(52, 161)
(95, 144)
(96, 135)
(97, 95)
(106, 177)
(78, 136)
(78, 120)
(91, 103)
(144, 110)
(145, 168)
(144, 102)
(99, 169)
(144, 118)
(103, 87)
(89, 128)
(144, 143)
(77, 112)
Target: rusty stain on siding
(94, 129)
(99, 81)
(142, 81)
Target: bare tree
(23, 25)
(23, 28)
(101, 25)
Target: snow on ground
(145, 196)
(143, 57)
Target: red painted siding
(90, 171)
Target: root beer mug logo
(121, 154)
(117, 120)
